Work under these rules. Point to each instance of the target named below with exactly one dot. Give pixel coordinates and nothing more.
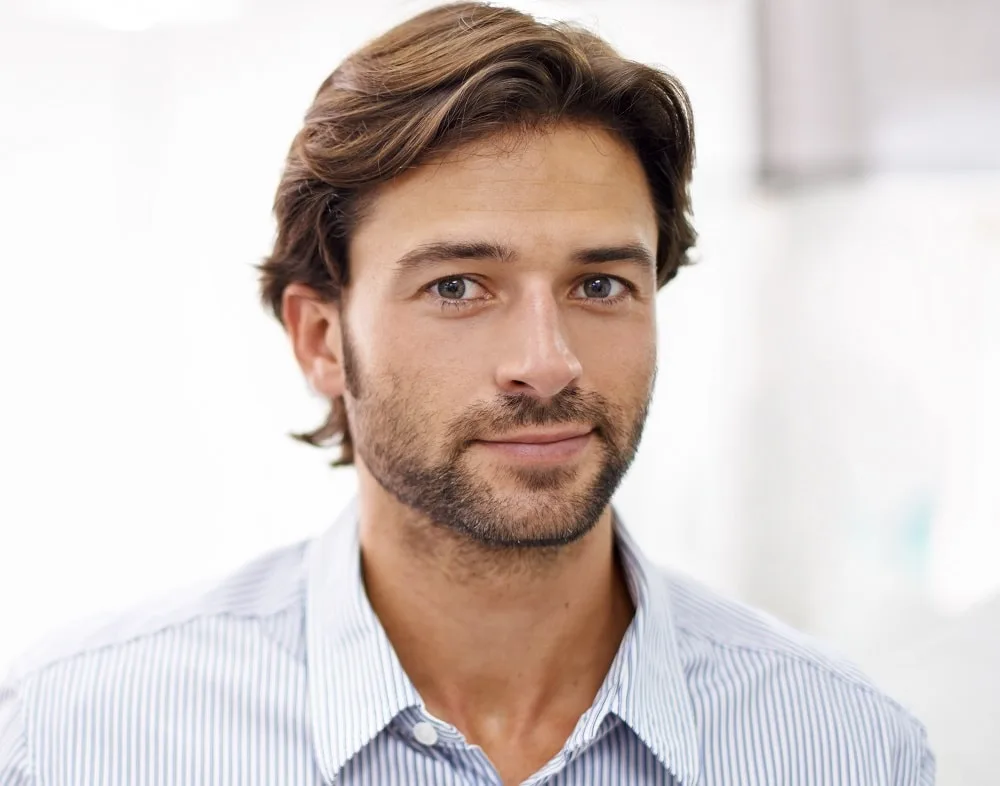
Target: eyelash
(447, 303)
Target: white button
(425, 733)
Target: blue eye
(597, 287)
(456, 292)
(451, 288)
(605, 288)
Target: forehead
(569, 183)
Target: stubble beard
(551, 508)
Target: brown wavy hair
(449, 76)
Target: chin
(543, 518)
(528, 535)
(531, 483)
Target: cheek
(621, 354)
(428, 377)
(422, 359)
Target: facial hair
(385, 426)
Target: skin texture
(492, 568)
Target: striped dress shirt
(282, 675)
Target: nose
(536, 356)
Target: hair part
(453, 75)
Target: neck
(496, 641)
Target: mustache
(515, 410)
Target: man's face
(499, 335)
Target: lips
(542, 437)
(541, 446)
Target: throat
(520, 697)
(510, 659)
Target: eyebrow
(448, 251)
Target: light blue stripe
(282, 674)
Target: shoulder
(236, 639)
(268, 587)
(774, 685)
(705, 617)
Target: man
(472, 227)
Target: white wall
(873, 434)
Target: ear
(313, 325)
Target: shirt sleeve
(14, 765)
(928, 768)
(916, 765)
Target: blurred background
(822, 442)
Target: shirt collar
(356, 682)
(357, 685)
(653, 696)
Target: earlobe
(313, 327)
